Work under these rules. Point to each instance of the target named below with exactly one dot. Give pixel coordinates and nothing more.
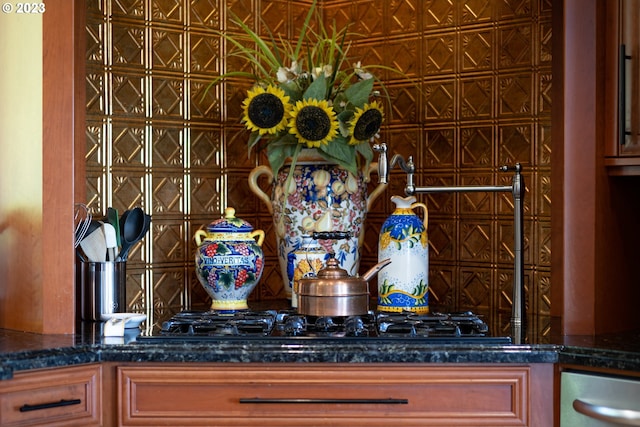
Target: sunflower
(366, 123)
(266, 110)
(313, 122)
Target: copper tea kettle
(334, 293)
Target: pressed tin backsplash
(476, 95)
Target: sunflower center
(313, 123)
(265, 110)
(367, 125)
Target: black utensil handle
(389, 401)
(62, 402)
(331, 235)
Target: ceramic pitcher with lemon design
(403, 285)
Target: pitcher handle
(373, 167)
(425, 214)
(260, 234)
(255, 188)
(199, 236)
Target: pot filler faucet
(517, 190)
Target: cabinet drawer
(52, 397)
(323, 395)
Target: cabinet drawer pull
(325, 401)
(622, 94)
(62, 402)
(625, 417)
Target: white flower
(360, 72)
(327, 70)
(285, 74)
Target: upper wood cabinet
(629, 80)
(622, 87)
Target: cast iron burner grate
(462, 327)
(215, 324)
(292, 324)
(463, 324)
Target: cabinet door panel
(52, 397)
(630, 76)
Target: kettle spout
(374, 270)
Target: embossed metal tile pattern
(475, 94)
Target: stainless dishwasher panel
(594, 400)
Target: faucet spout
(410, 168)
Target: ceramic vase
(229, 261)
(318, 197)
(403, 284)
(306, 262)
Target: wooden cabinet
(335, 395)
(52, 397)
(622, 87)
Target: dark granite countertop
(615, 351)
(24, 351)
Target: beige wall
(20, 167)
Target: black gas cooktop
(462, 327)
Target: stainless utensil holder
(101, 288)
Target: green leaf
(292, 90)
(303, 30)
(367, 154)
(343, 126)
(279, 151)
(342, 153)
(223, 249)
(255, 57)
(358, 93)
(317, 89)
(345, 116)
(338, 58)
(340, 103)
(226, 280)
(254, 138)
(264, 49)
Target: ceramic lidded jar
(229, 261)
(403, 285)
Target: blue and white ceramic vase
(318, 197)
(403, 285)
(229, 261)
(305, 262)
